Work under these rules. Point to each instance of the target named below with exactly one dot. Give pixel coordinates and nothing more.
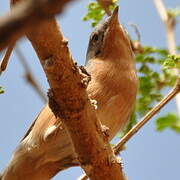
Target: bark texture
(70, 103)
(26, 15)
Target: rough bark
(26, 15)
(69, 102)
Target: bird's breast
(114, 88)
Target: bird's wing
(44, 120)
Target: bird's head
(109, 40)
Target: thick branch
(26, 15)
(119, 146)
(70, 103)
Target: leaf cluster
(155, 71)
(1, 90)
(170, 120)
(172, 61)
(95, 12)
(174, 12)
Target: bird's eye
(95, 37)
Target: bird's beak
(116, 42)
(113, 20)
(112, 31)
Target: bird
(46, 148)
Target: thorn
(5, 59)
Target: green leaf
(172, 61)
(96, 12)
(154, 68)
(154, 50)
(144, 69)
(178, 48)
(1, 90)
(174, 12)
(170, 120)
(154, 77)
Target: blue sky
(150, 155)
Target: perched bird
(46, 148)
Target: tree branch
(70, 103)
(83, 177)
(6, 57)
(26, 15)
(29, 76)
(161, 10)
(169, 22)
(118, 147)
(68, 100)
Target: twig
(29, 76)
(25, 15)
(135, 27)
(5, 59)
(83, 177)
(117, 148)
(169, 22)
(161, 10)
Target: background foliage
(155, 68)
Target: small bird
(46, 148)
